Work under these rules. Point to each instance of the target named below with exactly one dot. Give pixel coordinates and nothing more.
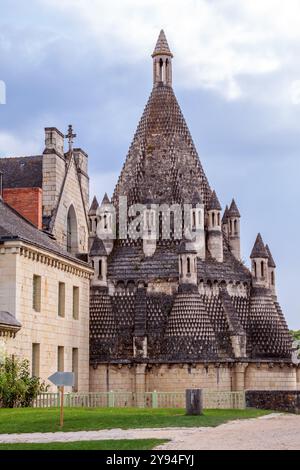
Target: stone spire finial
(70, 136)
(162, 46)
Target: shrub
(17, 387)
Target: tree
(17, 387)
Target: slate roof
(8, 320)
(14, 227)
(22, 172)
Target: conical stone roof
(162, 157)
(271, 261)
(162, 46)
(259, 249)
(233, 210)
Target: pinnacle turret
(94, 206)
(214, 203)
(259, 249)
(233, 210)
(271, 262)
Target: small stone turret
(197, 224)
(215, 237)
(271, 269)
(187, 263)
(162, 62)
(225, 221)
(260, 258)
(234, 236)
(149, 227)
(93, 217)
(106, 225)
(98, 256)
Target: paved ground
(275, 431)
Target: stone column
(239, 376)
(140, 384)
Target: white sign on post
(62, 380)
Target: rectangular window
(36, 293)
(61, 298)
(75, 368)
(35, 360)
(60, 358)
(75, 303)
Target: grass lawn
(20, 420)
(124, 444)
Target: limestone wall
(178, 377)
(71, 195)
(266, 377)
(18, 264)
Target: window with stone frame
(35, 360)
(60, 358)
(36, 292)
(75, 302)
(61, 299)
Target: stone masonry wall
(178, 377)
(46, 327)
(270, 377)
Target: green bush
(17, 387)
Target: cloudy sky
(236, 75)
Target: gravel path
(275, 431)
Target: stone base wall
(270, 377)
(179, 377)
(287, 401)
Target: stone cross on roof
(70, 136)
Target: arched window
(167, 70)
(272, 278)
(181, 268)
(262, 269)
(100, 269)
(213, 219)
(161, 64)
(194, 219)
(188, 265)
(105, 221)
(72, 231)
(255, 268)
(235, 227)
(219, 219)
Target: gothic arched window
(188, 263)
(72, 231)
(262, 268)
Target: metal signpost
(62, 380)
